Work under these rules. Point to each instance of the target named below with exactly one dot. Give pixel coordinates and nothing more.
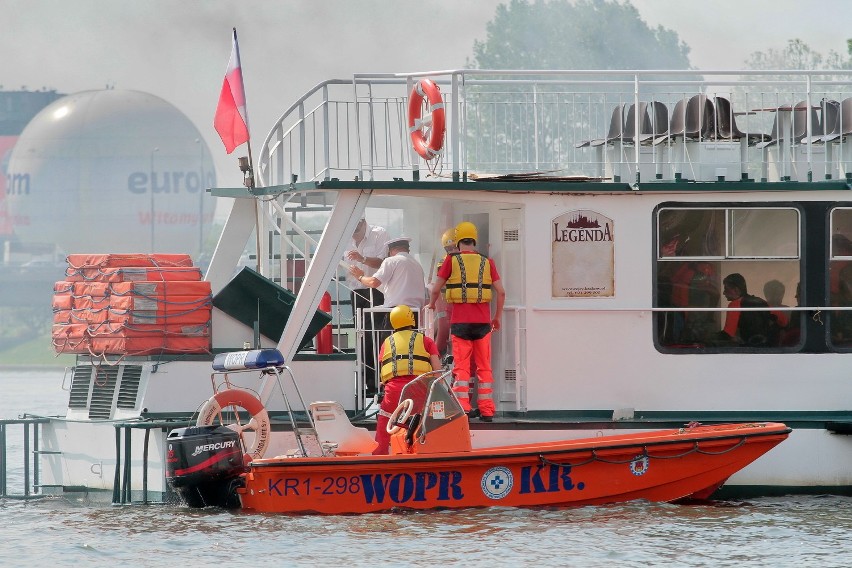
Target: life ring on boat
(427, 133)
(259, 422)
(399, 416)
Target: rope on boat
(595, 457)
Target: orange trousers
(479, 351)
(393, 389)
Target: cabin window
(756, 250)
(840, 278)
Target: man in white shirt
(366, 251)
(401, 278)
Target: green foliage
(586, 34)
(37, 351)
(530, 125)
(798, 55)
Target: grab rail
(27, 455)
(121, 493)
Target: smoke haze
(179, 50)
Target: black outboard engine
(203, 465)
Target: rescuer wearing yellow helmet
(448, 240)
(471, 282)
(441, 322)
(404, 355)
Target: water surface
(76, 531)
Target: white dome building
(111, 171)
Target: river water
(61, 531)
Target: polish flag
(231, 120)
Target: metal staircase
(287, 244)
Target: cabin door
(508, 344)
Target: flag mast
(248, 180)
(232, 124)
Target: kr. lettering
(548, 479)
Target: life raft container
(243, 399)
(427, 135)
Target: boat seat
(615, 132)
(657, 124)
(842, 126)
(830, 123)
(725, 125)
(690, 120)
(333, 428)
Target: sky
(179, 49)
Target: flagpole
(249, 182)
(258, 203)
(232, 123)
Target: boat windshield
(433, 400)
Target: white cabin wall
(597, 376)
(593, 374)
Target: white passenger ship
(613, 202)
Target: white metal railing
(524, 121)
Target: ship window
(840, 278)
(687, 233)
(756, 251)
(763, 233)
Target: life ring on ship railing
(400, 415)
(259, 422)
(426, 143)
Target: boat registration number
(376, 488)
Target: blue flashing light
(243, 360)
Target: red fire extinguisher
(323, 341)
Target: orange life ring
(259, 422)
(427, 135)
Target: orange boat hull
(665, 465)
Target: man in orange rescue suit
(404, 355)
(471, 281)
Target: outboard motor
(203, 465)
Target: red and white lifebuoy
(427, 130)
(259, 422)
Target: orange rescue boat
(432, 464)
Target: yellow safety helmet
(448, 239)
(465, 230)
(402, 316)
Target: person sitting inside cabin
(406, 354)
(779, 320)
(793, 332)
(774, 292)
(747, 328)
(694, 284)
(841, 320)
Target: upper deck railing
(693, 125)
